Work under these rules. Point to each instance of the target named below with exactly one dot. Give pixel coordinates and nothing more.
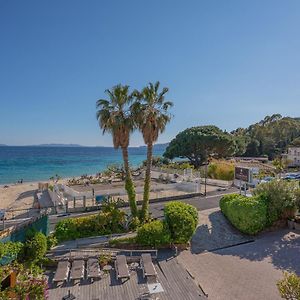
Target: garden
(271, 206)
(22, 267)
(178, 226)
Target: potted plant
(104, 259)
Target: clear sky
(227, 63)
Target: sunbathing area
(142, 276)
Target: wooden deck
(176, 283)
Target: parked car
(297, 177)
(267, 179)
(290, 177)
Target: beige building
(293, 156)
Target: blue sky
(227, 63)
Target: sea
(34, 163)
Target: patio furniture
(77, 270)
(62, 271)
(93, 269)
(121, 267)
(147, 265)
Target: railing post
(74, 202)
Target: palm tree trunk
(129, 185)
(147, 184)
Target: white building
(293, 156)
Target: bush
(10, 250)
(221, 170)
(280, 197)
(109, 222)
(182, 220)
(36, 248)
(224, 202)
(289, 286)
(248, 215)
(134, 223)
(155, 233)
(51, 241)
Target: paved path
(215, 232)
(249, 271)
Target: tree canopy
(270, 136)
(198, 143)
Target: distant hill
(57, 145)
(157, 147)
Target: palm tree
(150, 112)
(115, 117)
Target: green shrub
(247, 214)
(289, 286)
(36, 247)
(10, 250)
(221, 170)
(280, 197)
(134, 223)
(182, 220)
(51, 241)
(155, 233)
(224, 202)
(109, 222)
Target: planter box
(291, 224)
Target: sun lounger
(62, 271)
(77, 271)
(147, 265)
(121, 267)
(93, 269)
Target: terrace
(175, 281)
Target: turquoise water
(40, 163)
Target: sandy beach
(17, 196)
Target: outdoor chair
(121, 267)
(93, 269)
(147, 266)
(62, 271)
(77, 270)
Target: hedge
(155, 233)
(100, 224)
(182, 220)
(247, 214)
